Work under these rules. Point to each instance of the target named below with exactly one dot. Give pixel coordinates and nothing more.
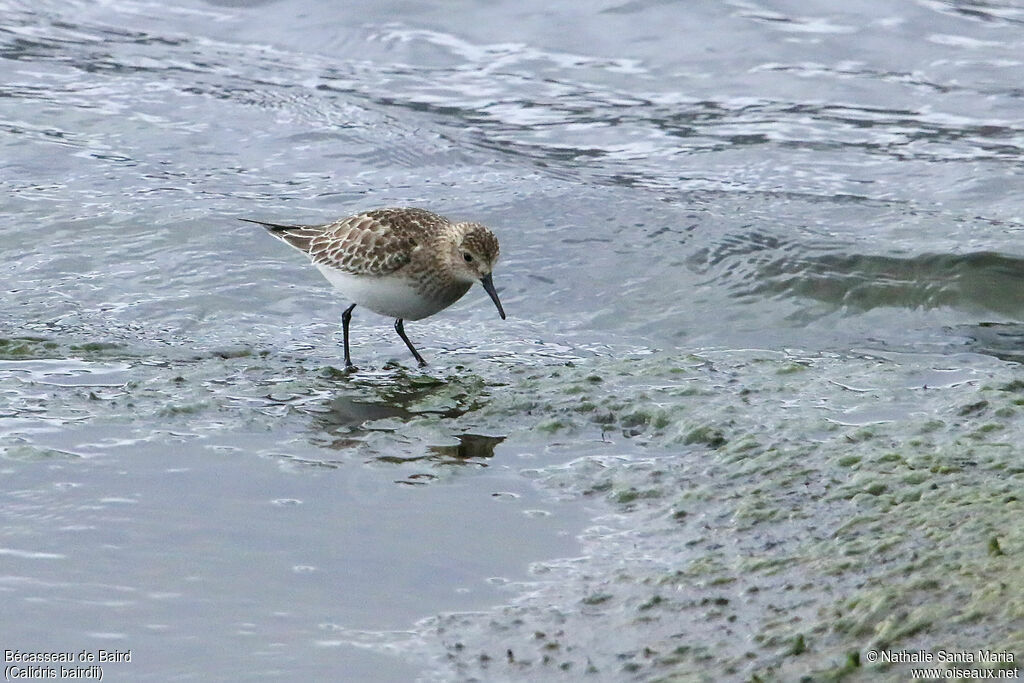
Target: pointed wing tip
(273, 227)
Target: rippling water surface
(756, 410)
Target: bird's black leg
(400, 329)
(346, 318)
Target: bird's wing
(372, 243)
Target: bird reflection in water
(353, 422)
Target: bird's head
(474, 256)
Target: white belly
(390, 295)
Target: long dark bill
(488, 284)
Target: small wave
(981, 281)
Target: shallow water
(755, 410)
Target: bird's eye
(467, 256)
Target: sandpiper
(403, 263)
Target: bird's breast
(394, 295)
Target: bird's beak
(488, 284)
